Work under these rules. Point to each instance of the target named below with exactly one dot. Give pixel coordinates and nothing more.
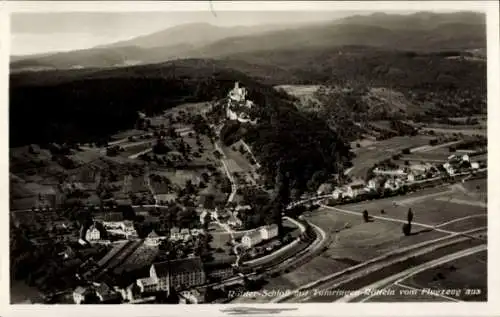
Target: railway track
(362, 274)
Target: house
(175, 234)
(128, 229)
(197, 232)
(92, 233)
(324, 189)
(474, 165)
(269, 232)
(393, 184)
(465, 158)
(192, 296)
(147, 284)
(251, 239)
(105, 293)
(129, 293)
(219, 270)
(338, 193)
(373, 184)
(449, 169)
(178, 274)
(410, 177)
(355, 188)
(419, 169)
(80, 293)
(389, 172)
(153, 238)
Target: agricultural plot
(142, 257)
(135, 148)
(379, 151)
(112, 253)
(463, 273)
(430, 212)
(138, 184)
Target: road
(234, 187)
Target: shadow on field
(421, 231)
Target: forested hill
(84, 106)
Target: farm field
(353, 241)
(379, 151)
(360, 241)
(142, 257)
(464, 273)
(431, 212)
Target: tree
(365, 215)
(410, 216)
(382, 211)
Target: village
(170, 247)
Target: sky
(33, 33)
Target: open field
(431, 211)
(464, 273)
(361, 241)
(353, 241)
(379, 151)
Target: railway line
(363, 274)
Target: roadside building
(153, 239)
(147, 284)
(474, 165)
(373, 184)
(465, 158)
(338, 192)
(218, 269)
(324, 189)
(106, 294)
(192, 296)
(178, 274)
(355, 188)
(269, 232)
(92, 233)
(251, 239)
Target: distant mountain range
(423, 31)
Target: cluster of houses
(237, 105)
(394, 178)
(184, 276)
(259, 235)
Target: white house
(373, 184)
(355, 188)
(449, 169)
(153, 238)
(474, 165)
(251, 239)
(465, 158)
(410, 177)
(79, 294)
(92, 234)
(268, 232)
(338, 193)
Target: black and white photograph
(249, 156)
